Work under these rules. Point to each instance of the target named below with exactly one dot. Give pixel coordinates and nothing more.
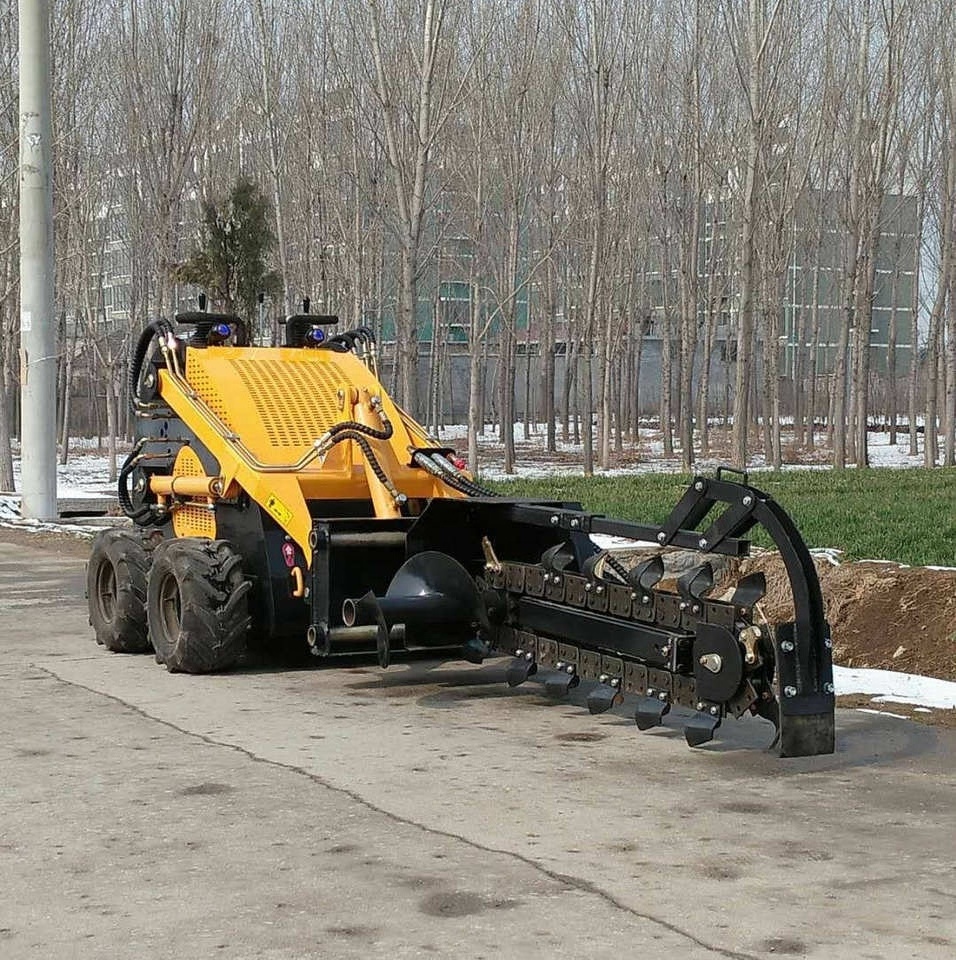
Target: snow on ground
(648, 458)
(84, 477)
(887, 686)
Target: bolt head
(699, 486)
(828, 643)
(713, 711)
(645, 599)
(683, 605)
(559, 665)
(650, 691)
(700, 705)
(569, 670)
(555, 579)
(789, 691)
(600, 589)
(662, 696)
(575, 523)
(661, 537)
(695, 608)
(529, 656)
(787, 646)
(519, 653)
(633, 596)
(603, 678)
(702, 543)
(588, 587)
(615, 682)
(554, 520)
(829, 687)
(748, 500)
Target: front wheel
(116, 577)
(197, 604)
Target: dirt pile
(881, 615)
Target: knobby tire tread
(129, 552)
(214, 613)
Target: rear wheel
(197, 604)
(116, 578)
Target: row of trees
(572, 154)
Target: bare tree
(416, 86)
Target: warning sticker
(278, 509)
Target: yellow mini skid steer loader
(278, 495)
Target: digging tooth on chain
(647, 574)
(606, 693)
(651, 709)
(562, 680)
(693, 584)
(750, 590)
(521, 668)
(702, 725)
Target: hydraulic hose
(448, 467)
(354, 426)
(150, 332)
(145, 513)
(459, 483)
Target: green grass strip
(879, 514)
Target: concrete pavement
(431, 811)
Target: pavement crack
(577, 883)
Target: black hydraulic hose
(377, 469)
(354, 426)
(136, 514)
(349, 431)
(475, 489)
(458, 483)
(150, 332)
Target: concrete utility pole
(37, 328)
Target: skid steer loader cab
(278, 495)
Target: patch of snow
(885, 713)
(605, 542)
(888, 686)
(830, 554)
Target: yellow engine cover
(260, 412)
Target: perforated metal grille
(207, 388)
(296, 402)
(188, 464)
(194, 521)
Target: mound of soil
(881, 615)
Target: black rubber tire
(116, 577)
(197, 604)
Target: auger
(278, 495)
